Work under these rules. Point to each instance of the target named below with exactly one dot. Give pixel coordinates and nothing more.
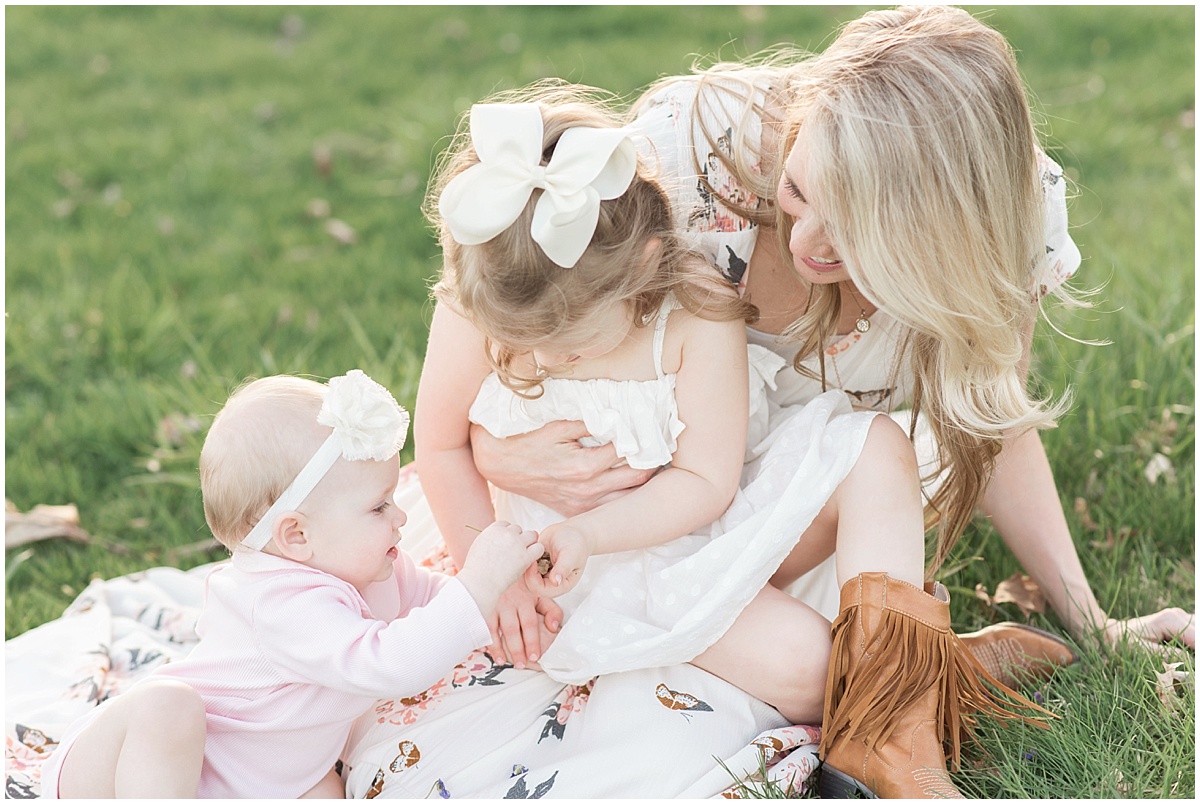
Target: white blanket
(483, 731)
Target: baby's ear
(291, 537)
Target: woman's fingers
(510, 630)
(1154, 629)
(551, 613)
(496, 649)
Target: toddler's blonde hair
(259, 441)
(520, 299)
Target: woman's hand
(523, 626)
(550, 466)
(1153, 630)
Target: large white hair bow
(589, 165)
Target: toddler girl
(297, 480)
(566, 295)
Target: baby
(297, 479)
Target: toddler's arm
(712, 393)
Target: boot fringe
(863, 701)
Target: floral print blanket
(485, 730)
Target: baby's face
(353, 523)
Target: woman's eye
(792, 190)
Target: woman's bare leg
(874, 518)
(778, 651)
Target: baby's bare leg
(331, 786)
(778, 651)
(148, 743)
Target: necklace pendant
(862, 324)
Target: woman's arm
(1023, 503)
(550, 466)
(455, 366)
(711, 392)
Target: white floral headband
(367, 424)
(589, 165)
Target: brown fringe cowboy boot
(1015, 652)
(900, 685)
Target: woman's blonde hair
(255, 448)
(520, 299)
(921, 155)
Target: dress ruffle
(638, 417)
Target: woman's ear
(290, 536)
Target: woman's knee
(802, 664)
(888, 445)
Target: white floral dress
(666, 604)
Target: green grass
(160, 165)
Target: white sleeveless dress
(666, 604)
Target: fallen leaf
(1111, 537)
(981, 592)
(1158, 466)
(1023, 591)
(323, 160)
(1081, 508)
(1169, 686)
(41, 523)
(341, 231)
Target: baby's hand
(569, 552)
(498, 557)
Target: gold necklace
(862, 324)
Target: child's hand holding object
(567, 549)
(497, 559)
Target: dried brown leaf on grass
(1085, 518)
(1169, 686)
(1111, 537)
(41, 523)
(1017, 589)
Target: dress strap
(660, 331)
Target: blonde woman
(923, 226)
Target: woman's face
(812, 254)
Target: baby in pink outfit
(297, 479)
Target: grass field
(196, 195)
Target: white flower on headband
(366, 420)
(589, 165)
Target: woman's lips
(819, 265)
